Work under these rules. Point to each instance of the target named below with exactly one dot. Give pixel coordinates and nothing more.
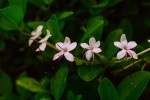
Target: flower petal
(123, 39)
(84, 45)
(92, 41)
(132, 54)
(88, 54)
(72, 46)
(121, 54)
(39, 28)
(59, 46)
(118, 44)
(57, 55)
(30, 42)
(45, 38)
(67, 41)
(97, 50)
(69, 56)
(42, 46)
(97, 44)
(131, 45)
(148, 40)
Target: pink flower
(43, 42)
(92, 48)
(65, 49)
(125, 46)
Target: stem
(119, 70)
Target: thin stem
(119, 70)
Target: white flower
(92, 48)
(35, 34)
(125, 46)
(148, 40)
(64, 49)
(43, 42)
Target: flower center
(65, 49)
(91, 48)
(125, 47)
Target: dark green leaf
(58, 82)
(88, 73)
(70, 96)
(133, 85)
(5, 83)
(65, 14)
(30, 84)
(127, 28)
(2, 45)
(42, 96)
(52, 24)
(19, 3)
(92, 27)
(14, 18)
(106, 90)
(109, 49)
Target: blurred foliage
(29, 75)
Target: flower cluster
(35, 34)
(93, 46)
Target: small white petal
(84, 45)
(67, 41)
(45, 38)
(39, 28)
(59, 45)
(131, 44)
(97, 50)
(123, 39)
(92, 41)
(57, 55)
(121, 54)
(132, 54)
(42, 46)
(97, 44)
(33, 33)
(148, 40)
(69, 56)
(88, 54)
(118, 44)
(72, 46)
(30, 42)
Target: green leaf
(133, 85)
(19, 3)
(22, 91)
(88, 73)
(58, 83)
(106, 90)
(52, 24)
(92, 27)
(110, 50)
(126, 25)
(42, 96)
(13, 18)
(5, 83)
(70, 96)
(30, 84)
(78, 97)
(65, 14)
